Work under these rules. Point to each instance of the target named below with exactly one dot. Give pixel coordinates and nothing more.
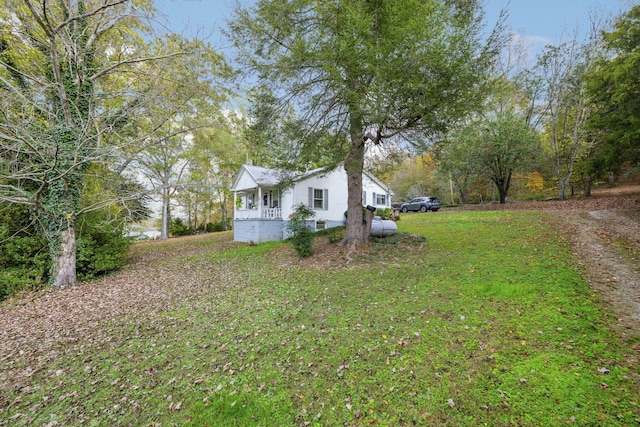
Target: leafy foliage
(102, 249)
(23, 252)
(567, 108)
(177, 227)
(102, 245)
(301, 234)
(87, 83)
(386, 213)
(495, 146)
(614, 88)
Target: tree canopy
(615, 92)
(366, 72)
(76, 85)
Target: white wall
(371, 187)
(245, 181)
(336, 183)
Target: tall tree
(68, 92)
(506, 142)
(221, 152)
(566, 107)
(458, 162)
(614, 88)
(366, 71)
(188, 94)
(496, 144)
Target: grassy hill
(470, 318)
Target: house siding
(245, 180)
(311, 224)
(334, 182)
(257, 230)
(370, 189)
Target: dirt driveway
(604, 231)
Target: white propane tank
(383, 227)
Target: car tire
(404, 209)
(423, 208)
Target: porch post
(235, 197)
(259, 202)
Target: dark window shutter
(310, 197)
(326, 199)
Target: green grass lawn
(486, 321)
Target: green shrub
(214, 227)
(26, 260)
(24, 253)
(387, 213)
(177, 227)
(301, 234)
(336, 235)
(100, 253)
(26, 264)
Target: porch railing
(264, 213)
(272, 213)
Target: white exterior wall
(286, 198)
(258, 230)
(370, 187)
(245, 180)
(336, 183)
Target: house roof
(262, 176)
(266, 177)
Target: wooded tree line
(100, 112)
(569, 119)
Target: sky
(539, 22)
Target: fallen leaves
(216, 335)
(176, 406)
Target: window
(381, 199)
(319, 198)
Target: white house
(263, 203)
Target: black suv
(421, 204)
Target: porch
(259, 212)
(258, 203)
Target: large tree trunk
(65, 259)
(223, 211)
(356, 232)
(164, 233)
(562, 187)
(503, 184)
(366, 225)
(587, 186)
